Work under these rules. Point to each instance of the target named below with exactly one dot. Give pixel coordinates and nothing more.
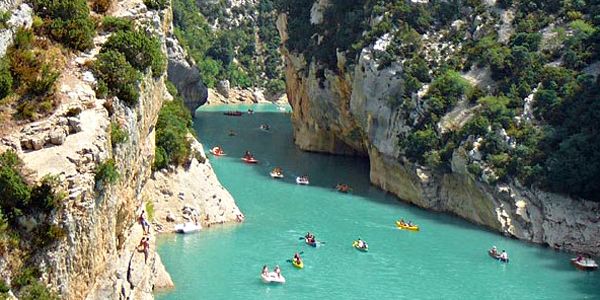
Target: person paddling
(297, 258)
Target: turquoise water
(447, 259)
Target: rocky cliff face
(99, 256)
(347, 110)
(183, 73)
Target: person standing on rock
(146, 249)
(144, 223)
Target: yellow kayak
(405, 226)
(298, 265)
(363, 249)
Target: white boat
(303, 181)
(272, 277)
(585, 264)
(276, 175)
(187, 227)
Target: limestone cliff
(348, 109)
(183, 73)
(98, 257)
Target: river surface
(447, 259)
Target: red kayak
(250, 160)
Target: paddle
(318, 242)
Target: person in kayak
(494, 250)
(248, 155)
(265, 270)
(297, 258)
(504, 256)
(361, 244)
(277, 271)
(309, 236)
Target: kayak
(404, 226)
(250, 160)
(299, 180)
(215, 153)
(233, 113)
(342, 188)
(497, 256)
(314, 244)
(272, 277)
(276, 175)
(298, 265)
(355, 245)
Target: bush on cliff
(141, 51)
(107, 173)
(67, 21)
(112, 24)
(172, 145)
(117, 134)
(112, 68)
(156, 4)
(6, 80)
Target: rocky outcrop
(179, 196)
(21, 16)
(348, 111)
(183, 73)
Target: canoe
(404, 226)
(310, 244)
(215, 153)
(497, 256)
(187, 227)
(250, 160)
(233, 113)
(272, 277)
(355, 245)
(276, 175)
(302, 181)
(299, 266)
(343, 188)
(585, 264)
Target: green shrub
(69, 22)
(117, 134)
(26, 276)
(141, 51)
(4, 288)
(101, 6)
(37, 291)
(172, 89)
(6, 80)
(110, 23)
(46, 195)
(112, 68)
(4, 17)
(106, 173)
(156, 4)
(14, 192)
(420, 142)
(172, 127)
(150, 210)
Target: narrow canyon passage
(446, 259)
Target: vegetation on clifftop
(238, 43)
(534, 120)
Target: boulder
(57, 137)
(223, 87)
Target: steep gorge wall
(98, 258)
(349, 112)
